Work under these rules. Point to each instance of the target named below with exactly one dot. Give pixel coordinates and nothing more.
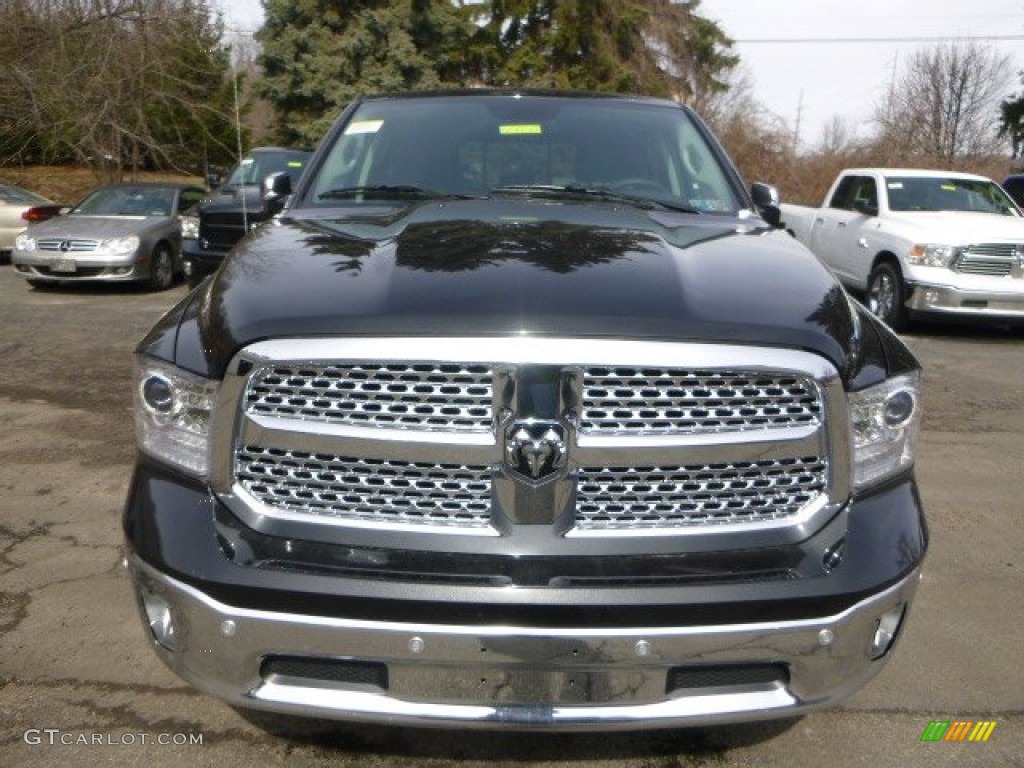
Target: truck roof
(923, 172)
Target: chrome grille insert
(352, 440)
(368, 490)
(993, 259)
(673, 401)
(427, 396)
(710, 494)
(73, 246)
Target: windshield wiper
(390, 192)
(599, 193)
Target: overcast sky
(823, 77)
(849, 78)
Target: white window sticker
(363, 126)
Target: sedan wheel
(161, 269)
(886, 296)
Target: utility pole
(799, 117)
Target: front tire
(161, 269)
(886, 295)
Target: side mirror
(865, 206)
(766, 198)
(276, 188)
(213, 180)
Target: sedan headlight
(884, 422)
(931, 255)
(120, 246)
(172, 414)
(190, 227)
(24, 243)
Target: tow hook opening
(886, 629)
(160, 618)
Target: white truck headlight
(172, 414)
(884, 422)
(931, 255)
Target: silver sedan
(122, 232)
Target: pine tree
(318, 55)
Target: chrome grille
(709, 494)
(675, 401)
(428, 396)
(73, 246)
(993, 259)
(674, 439)
(367, 490)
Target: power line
(830, 40)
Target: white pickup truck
(919, 242)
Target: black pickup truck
(521, 415)
(214, 226)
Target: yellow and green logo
(958, 730)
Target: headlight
(172, 414)
(190, 227)
(931, 255)
(24, 243)
(120, 246)
(884, 421)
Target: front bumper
(572, 678)
(406, 650)
(34, 266)
(996, 298)
(199, 262)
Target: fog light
(886, 629)
(161, 620)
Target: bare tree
(945, 104)
(113, 83)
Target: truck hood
(521, 267)
(233, 199)
(957, 227)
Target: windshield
(257, 166)
(935, 193)
(19, 195)
(593, 149)
(128, 201)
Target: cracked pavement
(75, 663)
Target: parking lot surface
(80, 686)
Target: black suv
(240, 204)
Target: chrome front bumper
(87, 267)
(517, 677)
(974, 302)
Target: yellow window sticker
(949, 187)
(527, 129)
(363, 126)
(294, 164)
